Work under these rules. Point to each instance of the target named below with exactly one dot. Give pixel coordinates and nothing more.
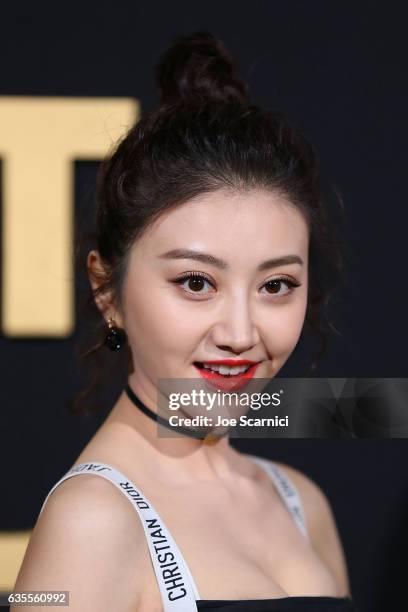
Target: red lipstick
(230, 362)
(227, 382)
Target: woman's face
(236, 306)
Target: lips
(229, 362)
(224, 381)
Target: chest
(239, 542)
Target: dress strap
(177, 587)
(287, 491)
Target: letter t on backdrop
(40, 137)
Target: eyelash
(179, 281)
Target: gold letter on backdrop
(39, 139)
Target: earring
(116, 337)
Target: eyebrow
(222, 265)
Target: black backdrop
(339, 71)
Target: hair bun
(200, 67)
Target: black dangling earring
(116, 337)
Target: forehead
(252, 223)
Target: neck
(175, 454)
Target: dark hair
(205, 135)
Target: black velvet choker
(207, 438)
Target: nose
(235, 330)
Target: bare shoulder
(88, 540)
(321, 524)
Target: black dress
(297, 604)
(176, 583)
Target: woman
(211, 237)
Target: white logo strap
(177, 587)
(287, 490)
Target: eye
(195, 282)
(274, 286)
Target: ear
(98, 274)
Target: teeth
(227, 370)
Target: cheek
(158, 328)
(283, 328)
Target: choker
(206, 438)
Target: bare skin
(233, 529)
(235, 512)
